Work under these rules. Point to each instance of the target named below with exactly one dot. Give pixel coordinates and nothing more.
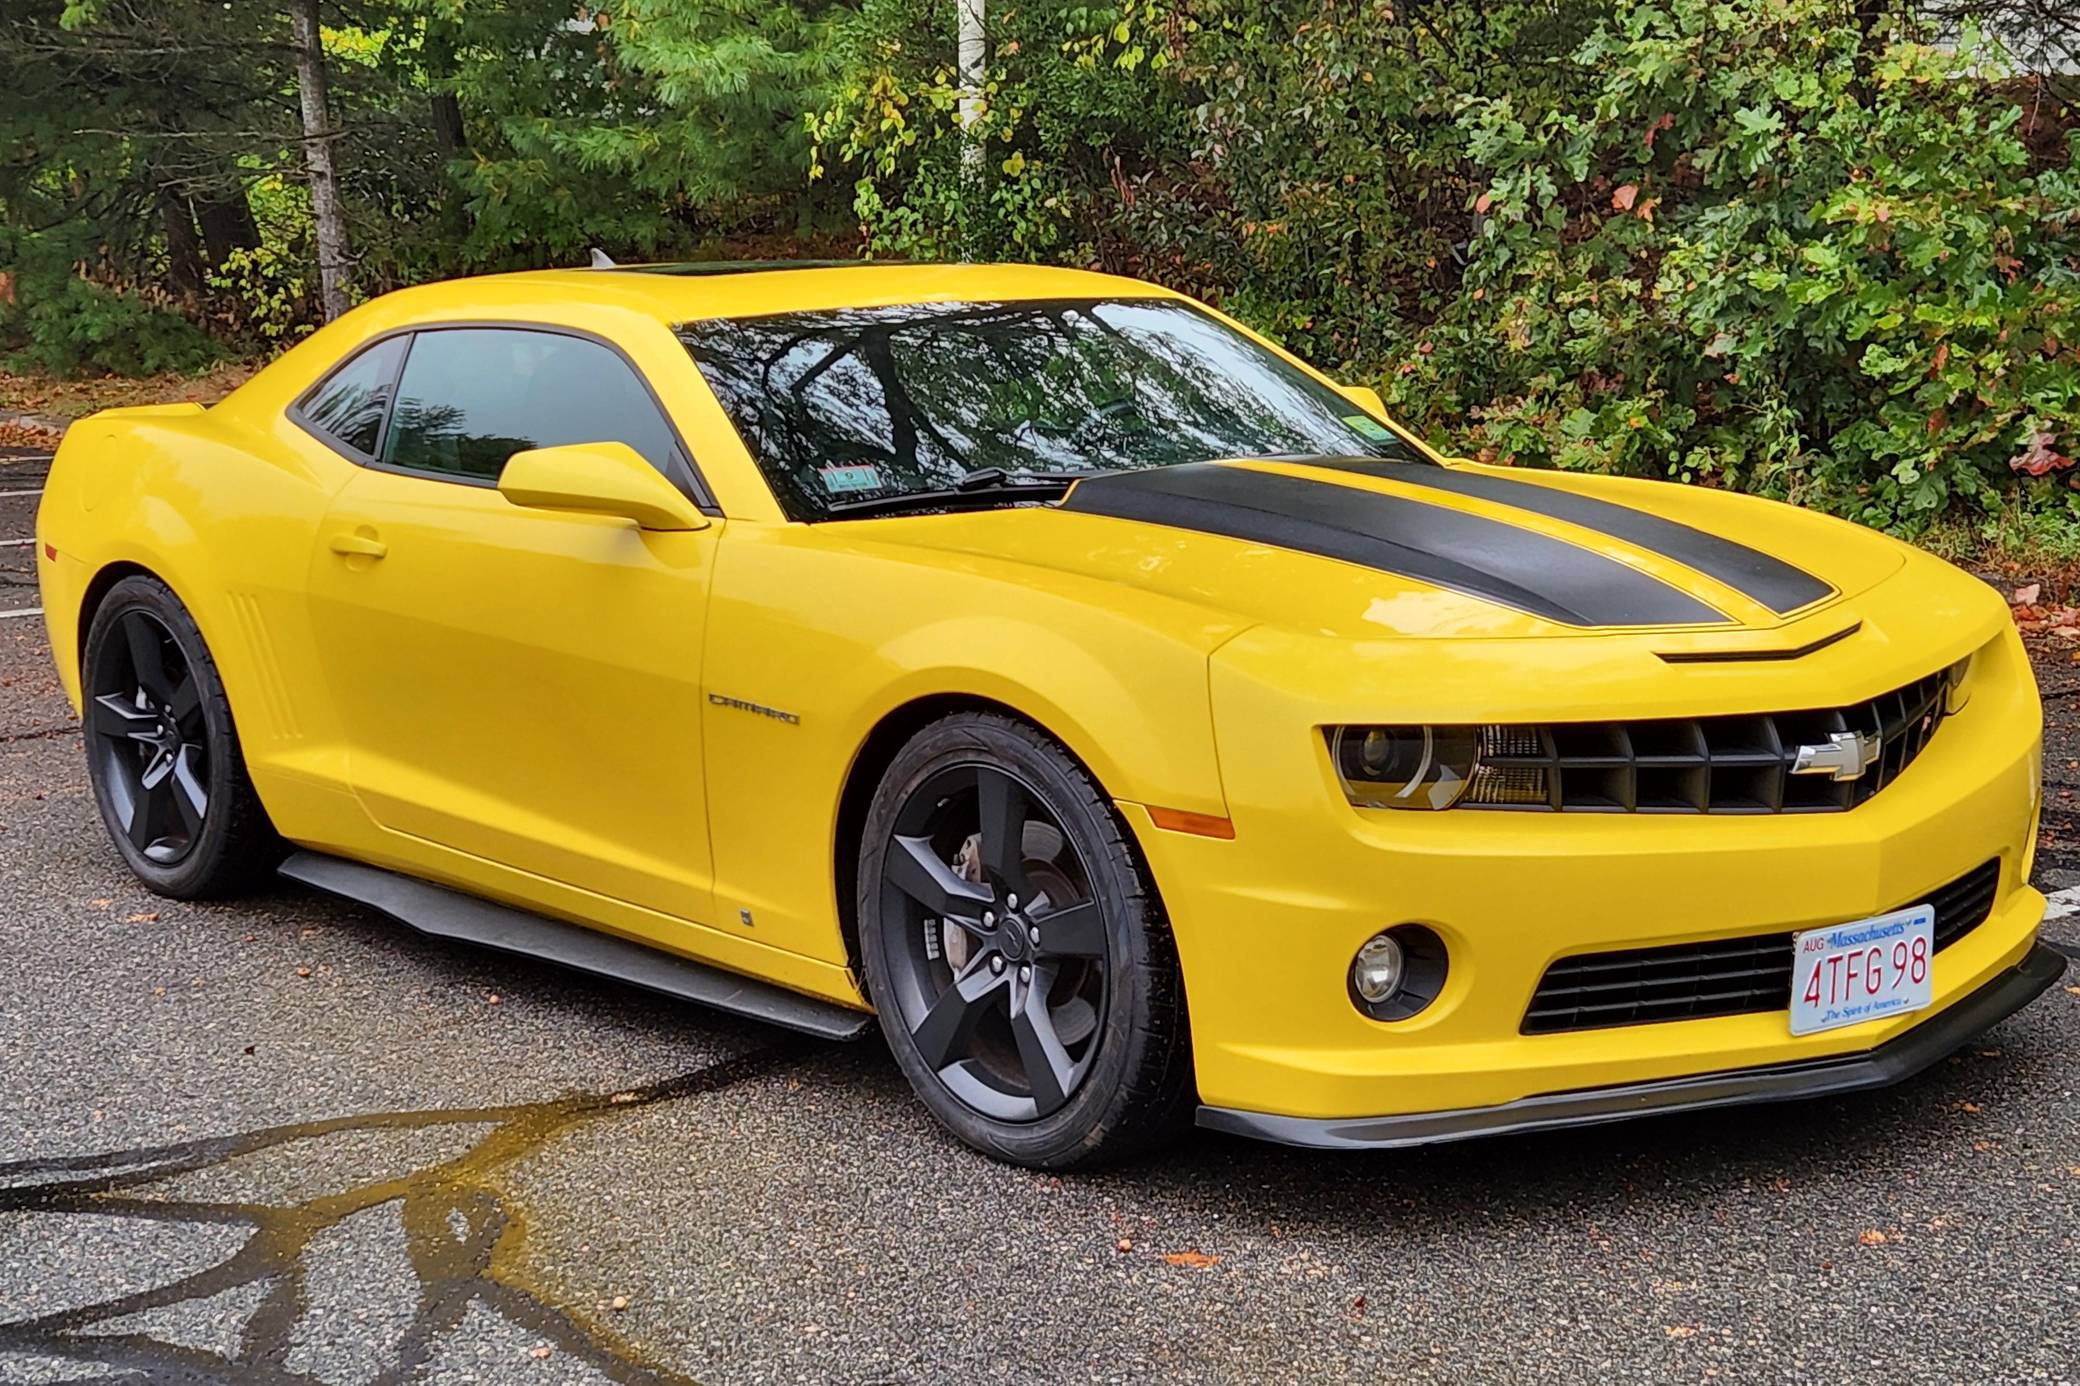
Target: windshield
(858, 408)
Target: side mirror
(1366, 398)
(598, 479)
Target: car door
(519, 685)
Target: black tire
(1106, 1030)
(163, 753)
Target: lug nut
(1025, 974)
(996, 964)
(989, 919)
(1012, 901)
(1033, 934)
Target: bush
(1766, 253)
(80, 328)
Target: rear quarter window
(348, 406)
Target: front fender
(837, 634)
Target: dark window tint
(349, 406)
(472, 397)
(870, 403)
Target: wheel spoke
(186, 706)
(914, 868)
(190, 799)
(1076, 932)
(115, 715)
(944, 1034)
(1049, 1071)
(147, 656)
(1001, 804)
(148, 809)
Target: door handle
(359, 546)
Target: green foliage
(84, 329)
(1764, 253)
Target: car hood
(1366, 548)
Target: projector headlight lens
(1404, 767)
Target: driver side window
(471, 397)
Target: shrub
(77, 327)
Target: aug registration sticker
(1846, 974)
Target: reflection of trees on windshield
(927, 393)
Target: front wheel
(1017, 952)
(162, 753)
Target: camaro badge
(1845, 755)
(724, 700)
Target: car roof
(690, 291)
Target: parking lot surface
(288, 1140)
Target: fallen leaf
(303, 972)
(1123, 1244)
(1874, 1237)
(146, 917)
(2027, 595)
(1482, 203)
(620, 1097)
(1680, 1330)
(1358, 1304)
(2074, 990)
(539, 1354)
(103, 903)
(1624, 195)
(2038, 456)
(494, 998)
(1968, 1107)
(620, 1302)
(1195, 1259)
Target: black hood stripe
(1535, 573)
(1754, 574)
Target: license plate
(1846, 974)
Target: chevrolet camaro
(1136, 722)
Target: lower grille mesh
(1730, 976)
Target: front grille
(1703, 764)
(1728, 976)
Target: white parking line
(2062, 904)
(25, 611)
(15, 543)
(6, 494)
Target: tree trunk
(317, 157)
(183, 254)
(227, 224)
(446, 110)
(974, 64)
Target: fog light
(1398, 972)
(1377, 970)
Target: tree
(318, 135)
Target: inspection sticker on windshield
(1849, 973)
(1369, 427)
(843, 480)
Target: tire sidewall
(187, 876)
(1094, 1109)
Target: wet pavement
(287, 1140)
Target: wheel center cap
(1012, 939)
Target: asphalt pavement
(288, 1140)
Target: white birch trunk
(317, 157)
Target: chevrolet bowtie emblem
(1845, 755)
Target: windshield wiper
(979, 489)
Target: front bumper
(1266, 924)
(1892, 1062)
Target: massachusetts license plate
(1846, 974)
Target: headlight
(1404, 767)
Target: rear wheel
(162, 753)
(1016, 951)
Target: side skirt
(442, 913)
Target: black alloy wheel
(1016, 952)
(163, 754)
(150, 739)
(1001, 977)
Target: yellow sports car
(1129, 716)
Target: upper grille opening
(1734, 764)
